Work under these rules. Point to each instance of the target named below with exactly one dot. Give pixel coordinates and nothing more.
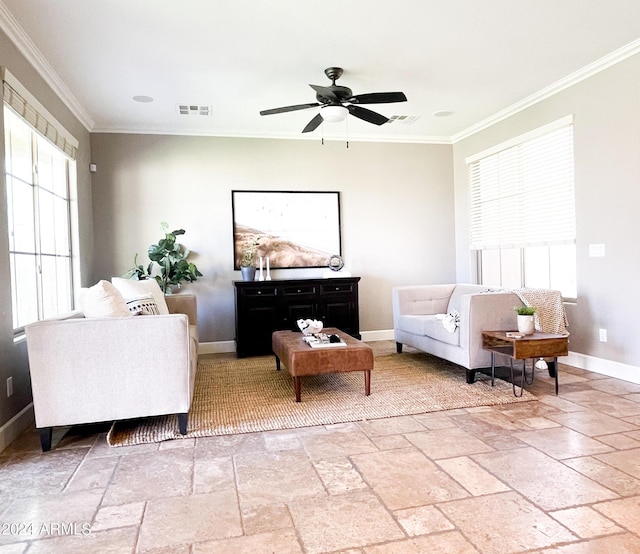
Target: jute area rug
(248, 395)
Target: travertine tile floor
(559, 475)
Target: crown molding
(28, 49)
(574, 78)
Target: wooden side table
(538, 345)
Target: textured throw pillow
(143, 305)
(135, 289)
(103, 300)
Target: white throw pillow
(135, 289)
(143, 305)
(103, 300)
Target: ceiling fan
(336, 102)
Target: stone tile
(52, 515)
(561, 403)
(280, 440)
(114, 541)
(265, 518)
(539, 423)
(229, 445)
(38, 474)
(422, 520)
(620, 441)
(100, 449)
(196, 518)
(616, 386)
(591, 423)
(391, 426)
(349, 518)
(471, 476)
(625, 512)
(561, 443)
(620, 544)
(140, 476)
(546, 482)
(634, 397)
(390, 442)
(425, 483)
(447, 443)
(625, 460)
(93, 473)
(585, 522)
(338, 442)
(123, 515)
(437, 420)
(444, 543)
(339, 476)
(213, 474)
(529, 527)
(273, 477)
(608, 476)
(178, 443)
(282, 542)
(604, 402)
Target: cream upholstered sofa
(420, 313)
(96, 369)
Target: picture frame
(295, 229)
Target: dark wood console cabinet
(266, 306)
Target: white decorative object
(268, 277)
(309, 326)
(526, 324)
(261, 276)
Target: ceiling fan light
(334, 114)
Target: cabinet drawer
(336, 288)
(259, 291)
(298, 290)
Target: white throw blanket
(550, 316)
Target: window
(38, 176)
(522, 211)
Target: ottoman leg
(277, 362)
(296, 384)
(367, 382)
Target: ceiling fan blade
(378, 98)
(313, 124)
(324, 92)
(367, 115)
(289, 108)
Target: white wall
(607, 179)
(396, 205)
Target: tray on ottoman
(301, 360)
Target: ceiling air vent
(193, 109)
(404, 119)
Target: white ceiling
(481, 59)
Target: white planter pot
(526, 324)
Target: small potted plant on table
(247, 261)
(526, 323)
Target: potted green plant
(526, 323)
(248, 258)
(171, 259)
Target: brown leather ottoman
(301, 360)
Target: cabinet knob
(259, 292)
(299, 290)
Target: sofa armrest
(101, 369)
(420, 300)
(183, 304)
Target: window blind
(20, 101)
(524, 195)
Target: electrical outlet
(9, 386)
(603, 335)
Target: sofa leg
(46, 434)
(398, 347)
(182, 423)
(471, 376)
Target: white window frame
(522, 207)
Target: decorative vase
(526, 324)
(248, 273)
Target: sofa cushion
(103, 300)
(134, 289)
(428, 326)
(460, 290)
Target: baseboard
(16, 425)
(373, 336)
(219, 347)
(604, 367)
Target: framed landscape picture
(293, 228)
